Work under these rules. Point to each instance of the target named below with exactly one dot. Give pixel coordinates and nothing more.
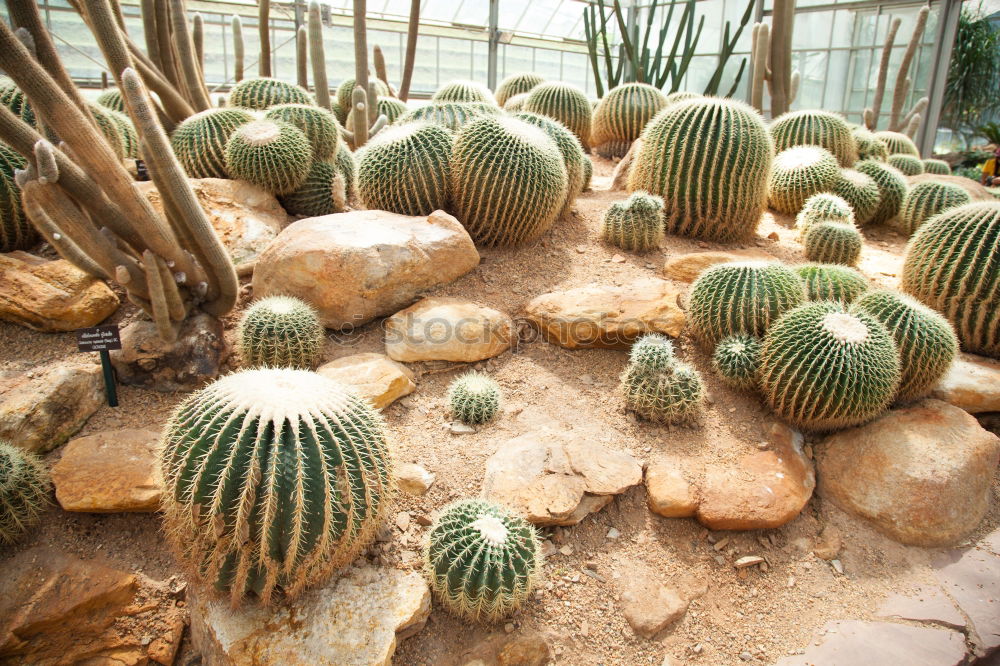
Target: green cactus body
(319, 126)
(474, 398)
(516, 84)
(324, 191)
(829, 242)
(741, 298)
(14, 99)
(271, 154)
(406, 169)
(24, 491)
(126, 132)
(832, 282)
(869, 145)
(925, 340)
(339, 112)
(816, 128)
(709, 158)
(16, 230)
(926, 200)
(109, 128)
(515, 103)
(463, 91)
(274, 478)
(953, 265)
(823, 207)
(907, 164)
(860, 191)
(891, 189)
(635, 224)
(652, 352)
(112, 99)
(280, 332)
(588, 172)
(347, 165)
(621, 115)
(657, 386)
(681, 96)
(390, 107)
(346, 89)
(737, 360)
(453, 115)
(898, 143)
(509, 181)
(936, 167)
(481, 560)
(263, 93)
(564, 102)
(200, 141)
(824, 367)
(800, 172)
(570, 148)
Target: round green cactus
(897, 143)
(24, 491)
(816, 128)
(280, 332)
(347, 166)
(570, 148)
(737, 360)
(635, 224)
(869, 145)
(390, 107)
(926, 341)
(515, 103)
(681, 96)
(891, 189)
(926, 200)
(406, 169)
(274, 478)
(798, 173)
(741, 298)
(453, 115)
(199, 142)
(126, 133)
(823, 207)
(481, 560)
(832, 282)
(271, 154)
(463, 91)
(346, 89)
(588, 172)
(652, 352)
(509, 180)
(824, 367)
(860, 191)
(16, 230)
(833, 243)
(936, 167)
(709, 158)
(659, 388)
(14, 99)
(621, 115)
(319, 126)
(516, 84)
(564, 102)
(112, 99)
(953, 265)
(474, 398)
(339, 112)
(324, 191)
(111, 130)
(907, 164)
(263, 93)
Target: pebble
(566, 550)
(459, 428)
(423, 520)
(613, 534)
(746, 656)
(509, 627)
(838, 566)
(402, 520)
(748, 561)
(618, 259)
(581, 249)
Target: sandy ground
(767, 614)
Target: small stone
(746, 656)
(423, 520)
(413, 479)
(581, 249)
(402, 520)
(748, 561)
(509, 627)
(829, 543)
(668, 492)
(618, 259)
(649, 607)
(566, 550)
(613, 534)
(774, 236)
(837, 566)
(459, 428)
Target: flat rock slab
(356, 619)
(972, 384)
(972, 578)
(925, 604)
(687, 267)
(447, 329)
(375, 376)
(851, 642)
(110, 472)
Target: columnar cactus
(832, 282)
(463, 91)
(508, 181)
(406, 169)
(263, 93)
(926, 200)
(953, 265)
(898, 143)
(271, 154)
(798, 173)
(907, 164)
(481, 560)
(516, 84)
(621, 115)
(635, 224)
(737, 360)
(24, 491)
(199, 142)
(816, 128)
(346, 89)
(825, 367)
(891, 188)
(860, 191)
(474, 398)
(709, 158)
(937, 167)
(323, 192)
(823, 207)
(741, 298)
(564, 102)
(274, 478)
(833, 243)
(869, 145)
(16, 230)
(280, 332)
(319, 126)
(570, 148)
(658, 387)
(925, 340)
(112, 99)
(453, 115)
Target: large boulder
(447, 329)
(843, 642)
(51, 296)
(353, 267)
(375, 376)
(921, 474)
(972, 383)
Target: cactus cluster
(816, 128)
(112, 99)
(860, 192)
(829, 242)
(635, 224)
(319, 126)
(271, 154)
(564, 102)
(274, 478)
(823, 207)
(280, 332)
(908, 165)
(832, 282)
(406, 169)
(621, 115)
(516, 84)
(709, 159)
(869, 146)
(926, 200)
(323, 192)
(953, 265)
(453, 115)
(570, 148)
(463, 91)
(481, 560)
(925, 340)
(199, 142)
(16, 230)
(798, 173)
(657, 386)
(936, 167)
(825, 367)
(897, 143)
(737, 360)
(474, 398)
(891, 189)
(346, 89)
(263, 93)
(24, 491)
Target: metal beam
(948, 16)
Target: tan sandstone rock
(650, 607)
(447, 329)
(353, 267)
(413, 479)
(668, 491)
(375, 376)
(972, 383)
(687, 267)
(110, 472)
(51, 296)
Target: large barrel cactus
(319, 126)
(898, 143)
(280, 332)
(860, 191)
(926, 200)
(635, 224)
(325, 189)
(908, 165)
(816, 128)
(829, 242)
(621, 115)
(271, 154)
(570, 148)
(463, 91)
(406, 169)
(16, 230)
(24, 491)
(709, 158)
(14, 99)
(891, 188)
(262, 93)
(564, 102)
(657, 386)
(800, 172)
(200, 141)
(453, 115)
(831, 282)
(274, 478)
(953, 265)
(516, 84)
(474, 398)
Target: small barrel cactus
(869, 145)
(112, 99)
(564, 102)
(274, 478)
(24, 491)
(108, 127)
(926, 200)
(406, 169)
(263, 93)
(824, 367)
(937, 167)
(453, 115)
(823, 207)
(570, 148)
(515, 103)
(832, 282)
(737, 360)
(926, 341)
(891, 189)
(658, 387)
(898, 143)
(908, 165)
(346, 89)
(16, 230)
(741, 298)
(588, 172)
(815, 128)
(14, 99)
(481, 560)
(474, 398)
(199, 142)
(463, 91)
(860, 191)
(126, 132)
(681, 96)
(280, 332)
(635, 224)
(323, 192)
(653, 352)
(516, 84)
(800, 172)
(319, 126)
(833, 243)
(622, 114)
(271, 154)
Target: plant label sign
(98, 338)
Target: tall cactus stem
(903, 81)
(412, 32)
(264, 28)
(883, 74)
(302, 57)
(187, 57)
(238, 49)
(761, 46)
(198, 39)
(317, 55)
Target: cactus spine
(621, 115)
(657, 386)
(937, 167)
(832, 282)
(860, 191)
(800, 172)
(474, 398)
(926, 200)
(324, 191)
(816, 128)
(907, 164)
(737, 360)
(263, 93)
(280, 332)
(833, 243)
(24, 491)
(635, 224)
(564, 102)
(823, 207)
(271, 154)
(319, 126)
(463, 91)
(891, 189)
(200, 141)
(406, 169)
(516, 84)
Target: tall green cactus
(816, 128)
(200, 141)
(263, 93)
(317, 57)
(319, 126)
(621, 115)
(280, 332)
(860, 191)
(463, 91)
(800, 172)
(564, 102)
(474, 398)
(898, 143)
(24, 491)
(891, 189)
(908, 165)
(516, 84)
(268, 153)
(829, 242)
(832, 282)
(635, 224)
(926, 200)
(325, 190)
(406, 169)
(657, 386)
